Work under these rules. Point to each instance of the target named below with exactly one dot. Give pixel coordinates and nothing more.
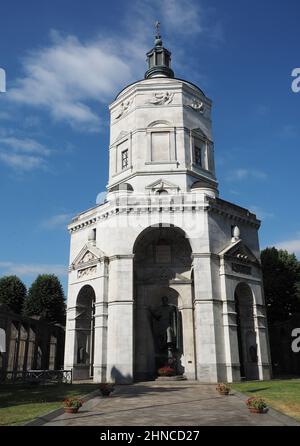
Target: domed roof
(166, 79)
(159, 58)
(159, 66)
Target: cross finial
(157, 27)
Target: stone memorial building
(164, 272)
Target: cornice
(121, 257)
(201, 255)
(233, 212)
(157, 83)
(197, 174)
(140, 210)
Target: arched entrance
(163, 313)
(84, 345)
(246, 333)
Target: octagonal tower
(164, 271)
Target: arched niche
(162, 290)
(159, 123)
(246, 333)
(84, 345)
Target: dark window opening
(125, 159)
(198, 156)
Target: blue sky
(66, 60)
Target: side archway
(246, 332)
(84, 327)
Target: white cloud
(57, 221)
(23, 154)
(245, 174)
(22, 162)
(32, 269)
(292, 246)
(65, 76)
(262, 214)
(24, 145)
(70, 76)
(185, 15)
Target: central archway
(163, 313)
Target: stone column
(205, 320)
(186, 310)
(120, 320)
(100, 334)
(70, 339)
(262, 338)
(231, 348)
(232, 361)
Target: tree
(12, 293)
(281, 274)
(46, 299)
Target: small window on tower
(124, 159)
(198, 156)
(159, 59)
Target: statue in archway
(165, 329)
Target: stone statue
(165, 328)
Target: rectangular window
(124, 159)
(159, 59)
(198, 156)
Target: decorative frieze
(197, 106)
(242, 269)
(88, 257)
(86, 272)
(161, 98)
(123, 108)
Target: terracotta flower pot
(255, 410)
(223, 392)
(71, 409)
(106, 389)
(105, 392)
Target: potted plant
(106, 388)
(166, 370)
(223, 389)
(72, 405)
(256, 405)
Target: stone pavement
(167, 404)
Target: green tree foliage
(46, 299)
(281, 272)
(12, 293)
